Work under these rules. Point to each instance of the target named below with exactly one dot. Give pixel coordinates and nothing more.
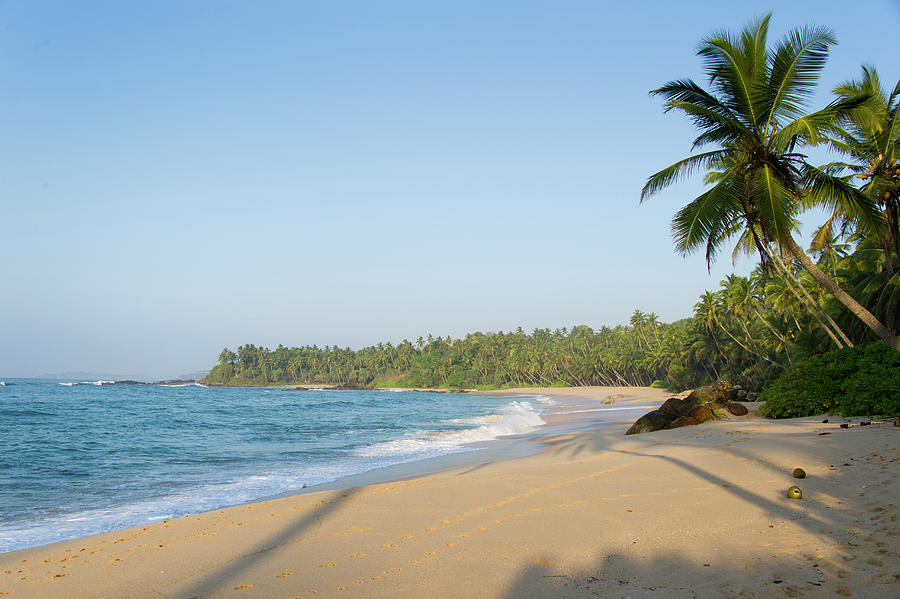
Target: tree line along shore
(755, 128)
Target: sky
(178, 177)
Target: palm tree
(871, 138)
(758, 181)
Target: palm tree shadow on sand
(671, 575)
(222, 578)
(652, 572)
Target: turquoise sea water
(83, 458)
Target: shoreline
(686, 512)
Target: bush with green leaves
(854, 381)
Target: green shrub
(658, 384)
(854, 381)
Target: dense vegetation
(862, 380)
(844, 290)
(748, 331)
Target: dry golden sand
(695, 512)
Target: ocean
(80, 458)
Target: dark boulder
(717, 394)
(350, 387)
(683, 421)
(649, 422)
(674, 407)
(737, 409)
(701, 414)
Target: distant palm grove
(843, 290)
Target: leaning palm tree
(758, 179)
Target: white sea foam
(19, 535)
(514, 419)
(68, 384)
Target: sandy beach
(694, 512)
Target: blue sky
(177, 177)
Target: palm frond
(734, 67)
(815, 127)
(838, 195)
(796, 63)
(679, 170)
(686, 90)
(715, 126)
(706, 216)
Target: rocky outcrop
(737, 409)
(699, 406)
(683, 421)
(674, 407)
(651, 421)
(718, 394)
(702, 413)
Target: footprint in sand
(328, 565)
(358, 555)
(405, 537)
(389, 546)
(429, 530)
(285, 574)
(243, 586)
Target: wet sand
(576, 509)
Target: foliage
(759, 181)
(851, 381)
(750, 330)
(747, 331)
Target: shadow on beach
(674, 576)
(223, 578)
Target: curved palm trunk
(842, 296)
(812, 307)
(755, 353)
(780, 337)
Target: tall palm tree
(871, 139)
(754, 114)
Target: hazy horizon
(182, 178)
